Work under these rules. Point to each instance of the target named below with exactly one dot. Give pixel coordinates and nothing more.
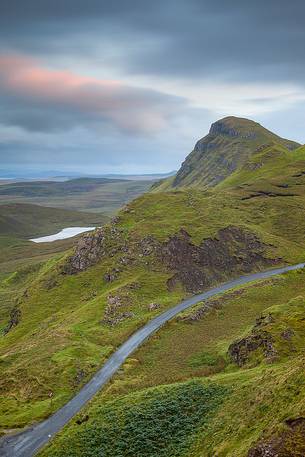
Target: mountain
(225, 377)
(229, 144)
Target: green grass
(259, 397)
(61, 333)
(182, 350)
(67, 317)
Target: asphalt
(27, 443)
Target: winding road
(27, 443)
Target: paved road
(26, 444)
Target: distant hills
(54, 175)
(104, 195)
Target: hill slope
(25, 220)
(229, 144)
(74, 311)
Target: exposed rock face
(91, 248)
(290, 443)
(223, 127)
(80, 375)
(15, 316)
(108, 241)
(148, 245)
(234, 250)
(287, 334)
(241, 350)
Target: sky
(128, 86)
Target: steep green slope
(230, 144)
(74, 311)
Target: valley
(104, 195)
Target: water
(63, 234)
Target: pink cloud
(126, 107)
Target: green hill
(245, 349)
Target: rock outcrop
(92, 247)
(234, 250)
(241, 350)
(208, 305)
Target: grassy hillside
(258, 399)
(73, 311)
(83, 194)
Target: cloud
(191, 39)
(38, 98)
(132, 84)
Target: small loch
(63, 234)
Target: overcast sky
(128, 86)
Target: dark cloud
(184, 38)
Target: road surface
(27, 443)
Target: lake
(63, 234)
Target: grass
(19, 256)
(61, 335)
(183, 350)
